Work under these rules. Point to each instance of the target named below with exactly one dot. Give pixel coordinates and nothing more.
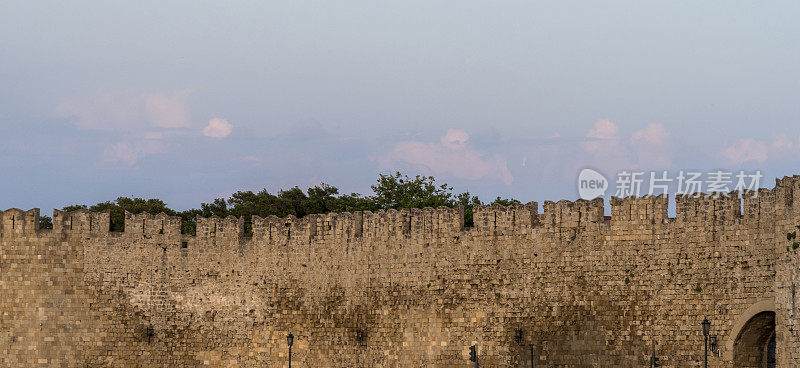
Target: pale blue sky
(102, 99)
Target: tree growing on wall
(322, 198)
(401, 191)
(392, 191)
(468, 201)
(118, 207)
(74, 207)
(45, 222)
(505, 201)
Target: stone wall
(409, 288)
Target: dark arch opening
(769, 356)
(755, 345)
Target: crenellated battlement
(81, 222)
(434, 223)
(15, 221)
(367, 288)
(712, 208)
(647, 210)
(148, 225)
(498, 220)
(568, 214)
(229, 228)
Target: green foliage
(45, 222)
(318, 199)
(74, 207)
(354, 202)
(133, 205)
(790, 237)
(627, 280)
(698, 288)
(401, 191)
(118, 207)
(505, 201)
(393, 191)
(468, 202)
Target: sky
(188, 101)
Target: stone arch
(752, 333)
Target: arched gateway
(752, 339)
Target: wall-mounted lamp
(714, 345)
(706, 324)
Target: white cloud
(452, 156)
(218, 128)
(129, 153)
(782, 143)
(745, 150)
(114, 109)
(455, 139)
(649, 147)
(604, 145)
(754, 150)
(652, 146)
(168, 109)
(603, 129)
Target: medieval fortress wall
(409, 288)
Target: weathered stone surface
(409, 288)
